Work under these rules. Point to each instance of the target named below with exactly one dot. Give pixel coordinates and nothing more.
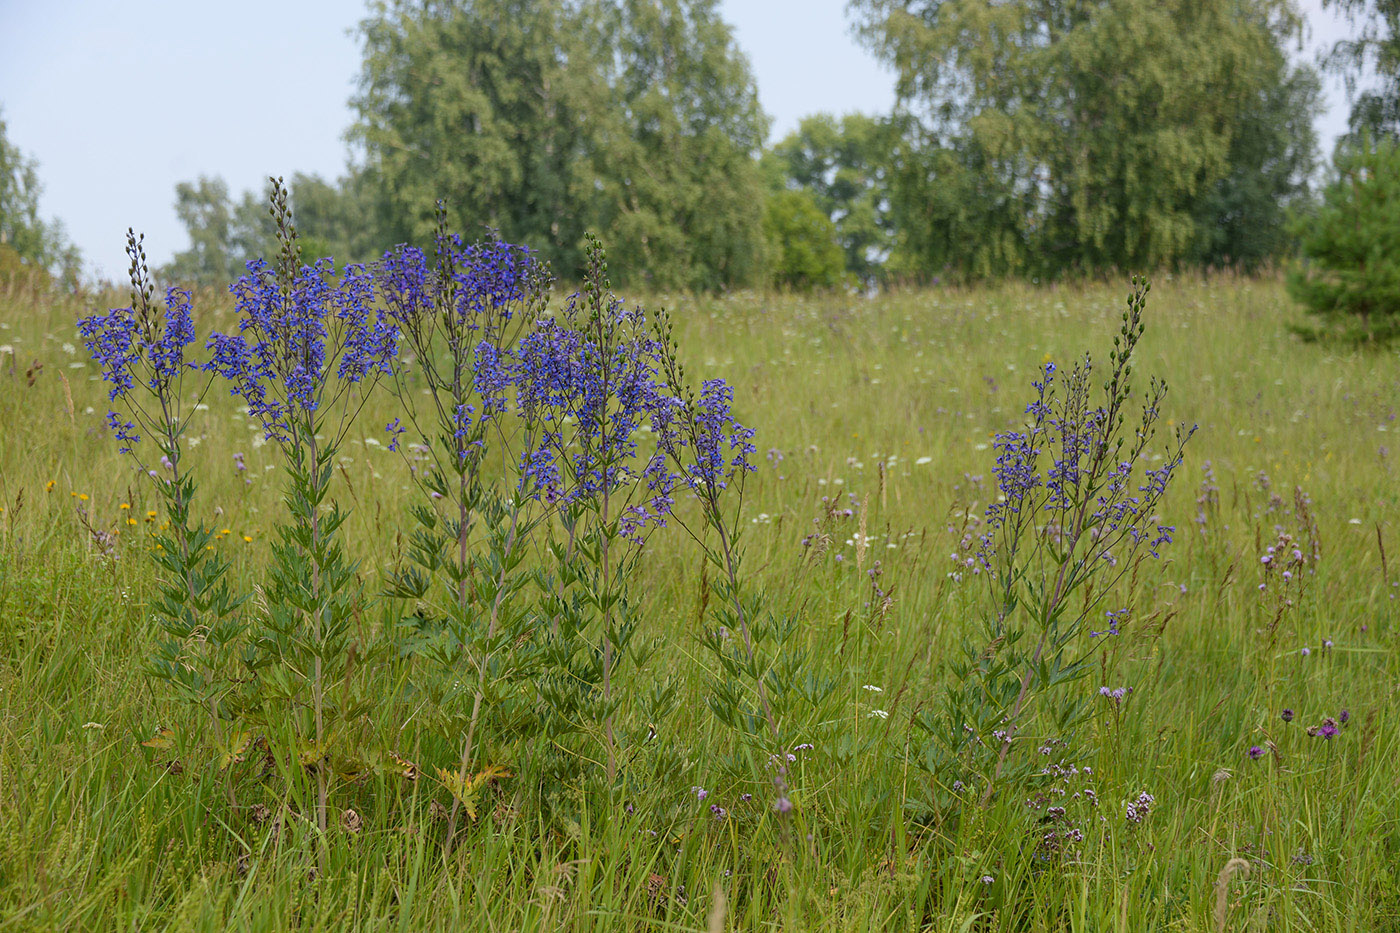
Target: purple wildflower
(394, 429)
(290, 334)
(1137, 810)
(138, 344)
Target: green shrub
(1352, 247)
(801, 243)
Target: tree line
(1033, 138)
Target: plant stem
(316, 631)
(731, 569)
(608, 641)
(465, 766)
(181, 523)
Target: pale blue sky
(119, 101)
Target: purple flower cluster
(593, 392)
(1117, 694)
(1284, 560)
(590, 397)
(583, 384)
(1088, 491)
(1327, 730)
(131, 347)
(1135, 811)
(113, 341)
(1064, 803)
(719, 445)
(290, 333)
(491, 276)
(1018, 454)
(1116, 618)
(474, 287)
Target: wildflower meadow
(434, 593)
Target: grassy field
(889, 406)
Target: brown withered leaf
(163, 739)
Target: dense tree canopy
(844, 163)
(1242, 218)
(802, 243)
(484, 105)
(1352, 242)
(1057, 135)
(636, 120)
(1035, 138)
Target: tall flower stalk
(460, 321)
(1079, 506)
(142, 351)
(762, 685)
(586, 384)
(702, 448)
(309, 346)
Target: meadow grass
(886, 407)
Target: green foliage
(680, 200)
(844, 164)
(196, 653)
(26, 238)
(803, 252)
(589, 598)
(1242, 219)
(1026, 160)
(472, 103)
(635, 120)
(1352, 245)
(953, 216)
(763, 687)
(1059, 539)
(463, 577)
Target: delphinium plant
(461, 318)
(762, 688)
(309, 346)
(1078, 508)
(155, 392)
(586, 385)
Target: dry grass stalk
(1222, 890)
(714, 922)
